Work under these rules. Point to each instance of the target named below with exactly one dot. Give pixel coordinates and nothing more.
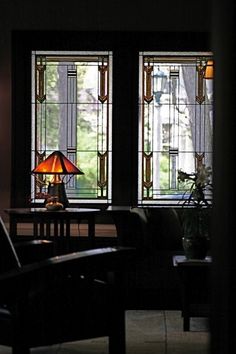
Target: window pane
(71, 112)
(175, 116)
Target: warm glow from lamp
(209, 70)
(57, 164)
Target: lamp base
(58, 190)
(53, 206)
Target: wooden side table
(43, 219)
(194, 286)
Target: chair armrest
(90, 262)
(34, 250)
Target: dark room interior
(126, 28)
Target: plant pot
(195, 248)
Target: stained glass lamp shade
(57, 164)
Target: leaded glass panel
(175, 122)
(71, 112)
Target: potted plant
(196, 212)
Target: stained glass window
(175, 122)
(71, 112)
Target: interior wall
(224, 226)
(80, 15)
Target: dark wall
(224, 226)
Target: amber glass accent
(40, 95)
(209, 70)
(200, 98)
(147, 182)
(147, 72)
(102, 182)
(57, 163)
(199, 159)
(103, 69)
(40, 179)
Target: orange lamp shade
(57, 163)
(209, 71)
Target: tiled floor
(148, 332)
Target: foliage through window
(71, 112)
(175, 123)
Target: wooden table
(51, 223)
(194, 286)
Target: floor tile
(147, 332)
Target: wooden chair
(59, 299)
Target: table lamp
(57, 164)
